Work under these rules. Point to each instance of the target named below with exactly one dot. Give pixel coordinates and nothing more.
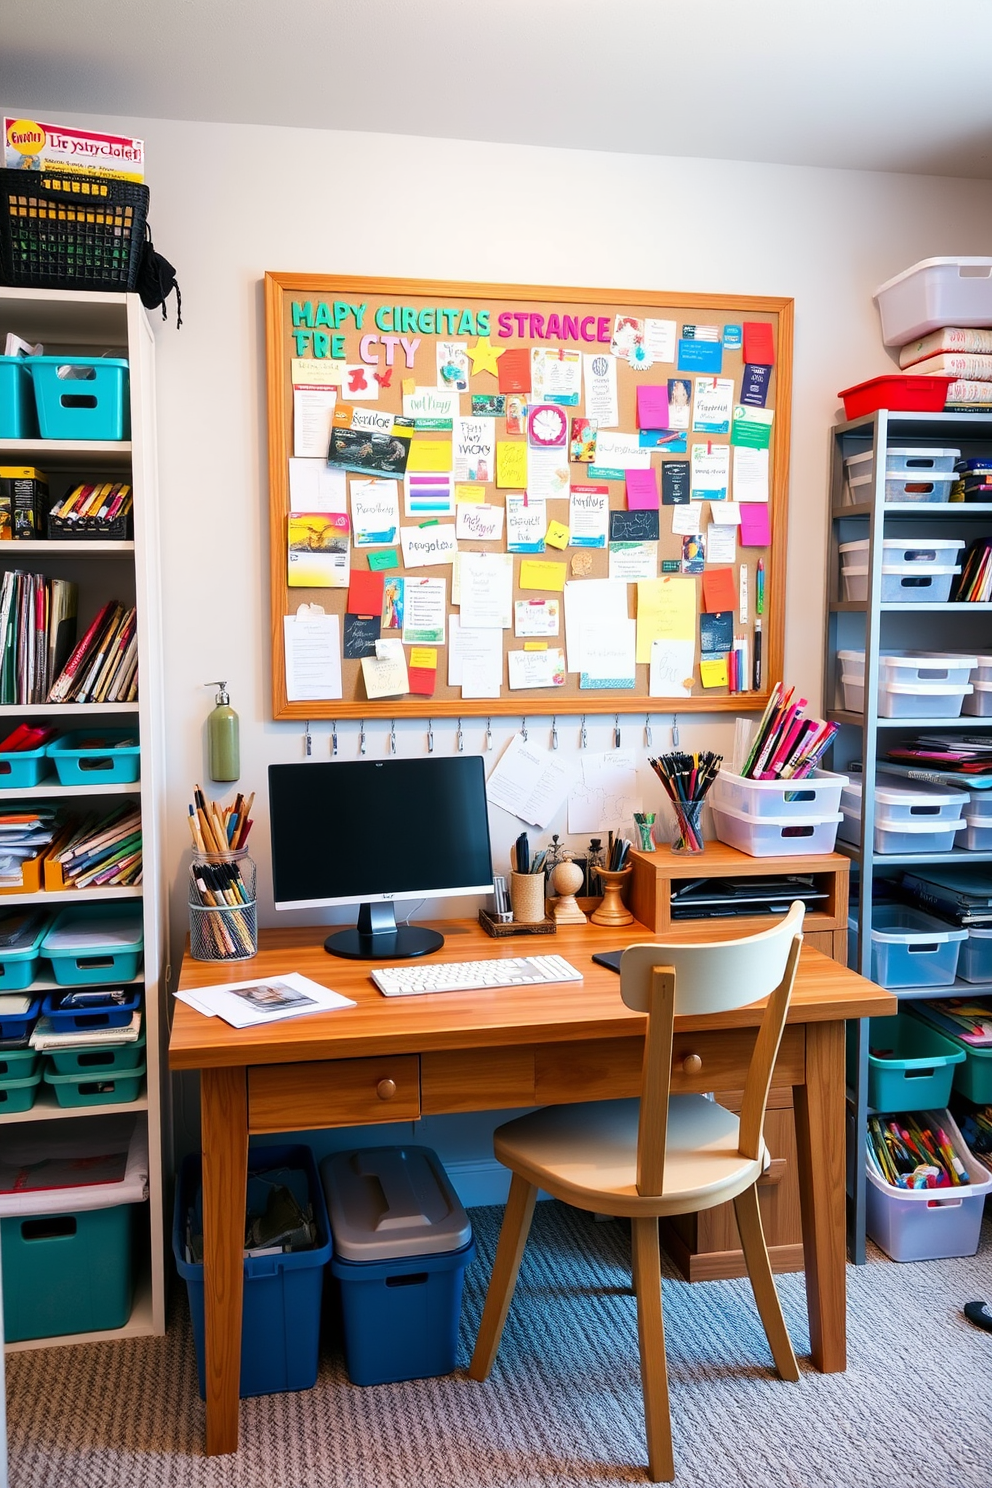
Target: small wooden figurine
(567, 878)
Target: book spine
(58, 692)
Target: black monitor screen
(357, 832)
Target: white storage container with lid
(910, 948)
(904, 460)
(934, 293)
(902, 583)
(979, 704)
(903, 800)
(921, 699)
(812, 795)
(980, 803)
(978, 834)
(982, 671)
(925, 554)
(913, 666)
(901, 836)
(763, 836)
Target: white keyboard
(417, 978)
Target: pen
(757, 652)
(523, 853)
(759, 596)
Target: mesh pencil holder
(223, 923)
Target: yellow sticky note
(511, 463)
(537, 575)
(475, 494)
(424, 656)
(535, 645)
(409, 384)
(429, 454)
(557, 535)
(666, 610)
(713, 673)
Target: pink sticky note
(642, 490)
(755, 526)
(652, 406)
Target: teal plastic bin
(96, 1087)
(96, 756)
(19, 959)
(81, 958)
(973, 1076)
(17, 1064)
(66, 1273)
(23, 767)
(910, 1065)
(81, 397)
(98, 1058)
(19, 1094)
(18, 419)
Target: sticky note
(409, 385)
(535, 645)
(718, 590)
(713, 673)
(466, 492)
(423, 656)
(537, 575)
(514, 370)
(556, 536)
(511, 462)
(652, 406)
(755, 526)
(365, 592)
(429, 454)
(387, 558)
(422, 680)
(642, 490)
(759, 343)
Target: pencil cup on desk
(222, 914)
(612, 910)
(688, 833)
(527, 897)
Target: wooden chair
(662, 1154)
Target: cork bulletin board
(501, 420)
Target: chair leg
(509, 1252)
(651, 1338)
(763, 1282)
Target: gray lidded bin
(402, 1241)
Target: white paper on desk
(485, 590)
(475, 659)
(312, 642)
(315, 486)
(721, 541)
(750, 474)
(686, 519)
(607, 795)
(528, 781)
(672, 667)
(265, 999)
(589, 602)
(536, 668)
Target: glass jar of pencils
(688, 833)
(223, 924)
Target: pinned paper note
(750, 474)
(485, 590)
(312, 642)
(671, 669)
(365, 592)
(556, 535)
(360, 635)
(666, 610)
(315, 486)
(634, 526)
(526, 524)
(674, 482)
(469, 494)
(475, 450)
(375, 512)
(601, 390)
(424, 611)
(478, 523)
(429, 454)
(713, 400)
(755, 526)
(537, 575)
(616, 453)
(529, 781)
(652, 406)
(759, 343)
(536, 617)
(608, 656)
(429, 494)
(631, 561)
(513, 370)
(710, 471)
(589, 516)
(752, 426)
(511, 464)
(545, 668)
(385, 672)
(319, 551)
(687, 519)
(721, 539)
(642, 490)
(423, 546)
(388, 558)
(588, 603)
(713, 673)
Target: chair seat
(586, 1154)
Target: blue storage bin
(909, 948)
(95, 755)
(18, 1025)
(68, 1020)
(78, 960)
(912, 1068)
(81, 397)
(280, 1326)
(18, 419)
(96, 1058)
(19, 962)
(23, 767)
(401, 1286)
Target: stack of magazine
(103, 668)
(960, 895)
(37, 631)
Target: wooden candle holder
(612, 910)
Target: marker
(756, 676)
(759, 598)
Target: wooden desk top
(557, 1013)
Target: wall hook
(334, 738)
(489, 733)
(361, 737)
(308, 740)
(647, 731)
(616, 731)
(430, 736)
(583, 736)
(554, 733)
(675, 731)
(392, 736)
(523, 728)
(460, 738)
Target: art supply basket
(226, 929)
(70, 231)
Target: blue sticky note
(671, 440)
(754, 384)
(733, 337)
(700, 356)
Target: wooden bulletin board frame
(283, 289)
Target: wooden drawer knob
(386, 1089)
(691, 1064)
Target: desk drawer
(333, 1092)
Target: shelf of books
(82, 902)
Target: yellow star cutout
(484, 356)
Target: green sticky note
(388, 558)
(668, 565)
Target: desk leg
(820, 1134)
(224, 1126)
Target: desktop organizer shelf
(73, 323)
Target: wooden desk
(398, 1059)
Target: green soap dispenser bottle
(223, 745)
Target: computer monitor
(370, 832)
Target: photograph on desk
(543, 458)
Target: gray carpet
(563, 1405)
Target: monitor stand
(377, 937)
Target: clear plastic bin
(904, 460)
(912, 666)
(908, 551)
(979, 703)
(933, 488)
(934, 293)
(983, 670)
(929, 1224)
(785, 836)
(901, 583)
(975, 961)
(977, 834)
(904, 800)
(921, 699)
(902, 836)
(853, 693)
(816, 793)
(910, 948)
(979, 803)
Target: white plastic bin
(934, 293)
(853, 692)
(979, 703)
(915, 836)
(904, 460)
(902, 583)
(975, 961)
(902, 800)
(933, 488)
(929, 1224)
(912, 666)
(921, 699)
(977, 834)
(910, 948)
(924, 554)
(775, 799)
(765, 837)
(982, 672)
(979, 804)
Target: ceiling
(895, 85)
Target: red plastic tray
(904, 393)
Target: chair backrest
(663, 980)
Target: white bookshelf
(79, 323)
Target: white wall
(229, 203)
